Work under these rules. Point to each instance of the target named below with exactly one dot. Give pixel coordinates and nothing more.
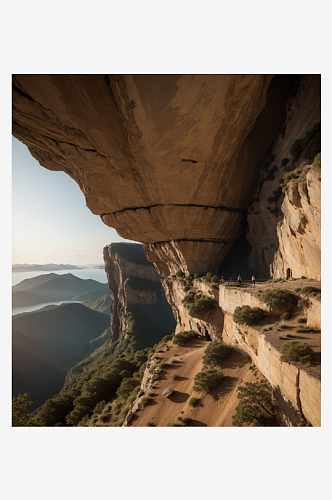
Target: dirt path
(214, 409)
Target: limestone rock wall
(303, 111)
(118, 270)
(299, 232)
(293, 384)
(164, 159)
(314, 313)
(296, 391)
(212, 324)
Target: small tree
(202, 306)
(207, 380)
(20, 406)
(208, 277)
(255, 406)
(278, 297)
(246, 315)
(180, 274)
(296, 351)
(215, 353)
(184, 337)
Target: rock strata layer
(135, 284)
(164, 159)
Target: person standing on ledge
(253, 280)
(239, 280)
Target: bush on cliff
(296, 351)
(255, 407)
(184, 337)
(278, 297)
(317, 161)
(246, 315)
(207, 380)
(202, 306)
(309, 290)
(180, 274)
(208, 277)
(215, 353)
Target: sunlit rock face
(164, 159)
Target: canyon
(191, 167)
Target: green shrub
(184, 337)
(296, 150)
(99, 407)
(208, 277)
(278, 297)
(317, 161)
(187, 299)
(270, 173)
(103, 418)
(297, 290)
(294, 350)
(301, 320)
(246, 315)
(180, 274)
(197, 276)
(303, 303)
(288, 177)
(215, 279)
(152, 368)
(193, 401)
(285, 316)
(207, 380)
(150, 424)
(215, 287)
(215, 353)
(124, 412)
(303, 277)
(305, 360)
(116, 407)
(202, 306)
(186, 420)
(144, 401)
(162, 365)
(186, 288)
(308, 290)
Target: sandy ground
(213, 409)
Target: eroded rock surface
(137, 295)
(303, 111)
(299, 233)
(164, 159)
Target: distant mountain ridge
(42, 267)
(46, 343)
(54, 287)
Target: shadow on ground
(178, 397)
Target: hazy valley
(214, 319)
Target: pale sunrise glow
(51, 223)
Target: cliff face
(296, 389)
(266, 206)
(166, 160)
(136, 291)
(299, 233)
(177, 163)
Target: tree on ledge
(255, 407)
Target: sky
(51, 222)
